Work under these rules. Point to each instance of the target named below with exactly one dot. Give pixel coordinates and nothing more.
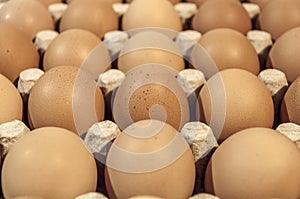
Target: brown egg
(64, 51)
(150, 47)
(150, 158)
(66, 97)
(239, 100)
(222, 14)
(17, 52)
(49, 162)
(200, 2)
(228, 49)
(291, 103)
(260, 3)
(95, 16)
(172, 1)
(27, 197)
(29, 16)
(111, 1)
(49, 2)
(253, 164)
(284, 54)
(11, 104)
(159, 14)
(145, 197)
(150, 91)
(279, 16)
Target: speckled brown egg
(95, 16)
(228, 48)
(49, 162)
(66, 97)
(139, 156)
(29, 17)
(150, 47)
(291, 103)
(150, 92)
(279, 16)
(11, 104)
(73, 47)
(222, 14)
(159, 14)
(233, 100)
(253, 164)
(17, 52)
(284, 54)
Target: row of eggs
(60, 80)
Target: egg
(228, 49)
(291, 103)
(236, 100)
(200, 2)
(73, 47)
(29, 16)
(172, 1)
(111, 1)
(66, 97)
(221, 14)
(150, 47)
(95, 16)
(144, 197)
(253, 164)
(150, 92)
(283, 55)
(27, 197)
(150, 157)
(160, 15)
(279, 16)
(49, 162)
(49, 2)
(17, 52)
(11, 104)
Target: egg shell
(144, 197)
(172, 1)
(74, 47)
(43, 163)
(63, 97)
(11, 104)
(159, 14)
(244, 99)
(91, 15)
(279, 16)
(200, 2)
(253, 164)
(173, 180)
(290, 107)
(221, 14)
(228, 48)
(283, 55)
(150, 47)
(29, 17)
(17, 52)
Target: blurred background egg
(73, 47)
(291, 103)
(279, 16)
(253, 164)
(171, 177)
(49, 162)
(158, 14)
(247, 102)
(144, 197)
(228, 48)
(200, 2)
(150, 47)
(65, 97)
(284, 54)
(29, 16)
(172, 1)
(222, 14)
(95, 16)
(11, 104)
(49, 2)
(17, 52)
